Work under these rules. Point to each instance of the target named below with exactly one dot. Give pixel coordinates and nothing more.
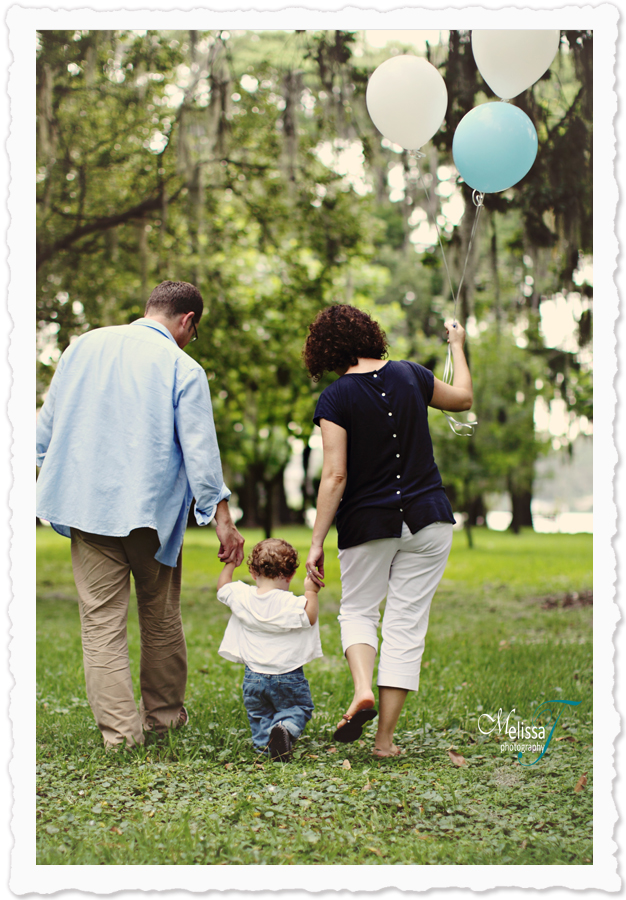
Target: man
(125, 441)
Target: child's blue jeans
(276, 699)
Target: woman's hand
(315, 564)
(459, 395)
(456, 333)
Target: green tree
(198, 156)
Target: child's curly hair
(338, 336)
(273, 558)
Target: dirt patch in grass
(567, 601)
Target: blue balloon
(494, 146)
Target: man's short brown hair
(273, 558)
(173, 298)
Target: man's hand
(231, 542)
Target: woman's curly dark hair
(338, 336)
(273, 558)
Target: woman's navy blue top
(392, 474)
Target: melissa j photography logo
(538, 733)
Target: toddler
(273, 633)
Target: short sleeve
(224, 594)
(425, 380)
(328, 407)
(232, 592)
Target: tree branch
(44, 253)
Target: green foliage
(505, 446)
(198, 156)
(204, 798)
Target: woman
(394, 521)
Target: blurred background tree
(246, 163)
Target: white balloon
(407, 100)
(512, 60)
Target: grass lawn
(203, 798)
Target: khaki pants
(102, 567)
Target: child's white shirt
(271, 632)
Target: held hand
(231, 543)
(456, 333)
(310, 585)
(315, 565)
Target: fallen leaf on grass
(375, 850)
(346, 764)
(457, 759)
(312, 756)
(524, 844)
(228, 765)
(567, 737)
(331, 750)
(581, 783)
(117, 830)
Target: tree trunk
(144, 263)
(308, 497)
(249, 499)
(271, 487)
(466, 509)
(522, 515)
(468, 532)
(475, 510)
(495, 274)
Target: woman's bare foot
(387, 751)
(365, 700)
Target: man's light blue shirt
(126, 438)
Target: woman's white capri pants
(408, 569)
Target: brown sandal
(353, 728)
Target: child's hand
(310, 585)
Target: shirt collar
(152, 323)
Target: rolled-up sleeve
(45, 418)
(196, 433)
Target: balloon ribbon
(461, 429)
